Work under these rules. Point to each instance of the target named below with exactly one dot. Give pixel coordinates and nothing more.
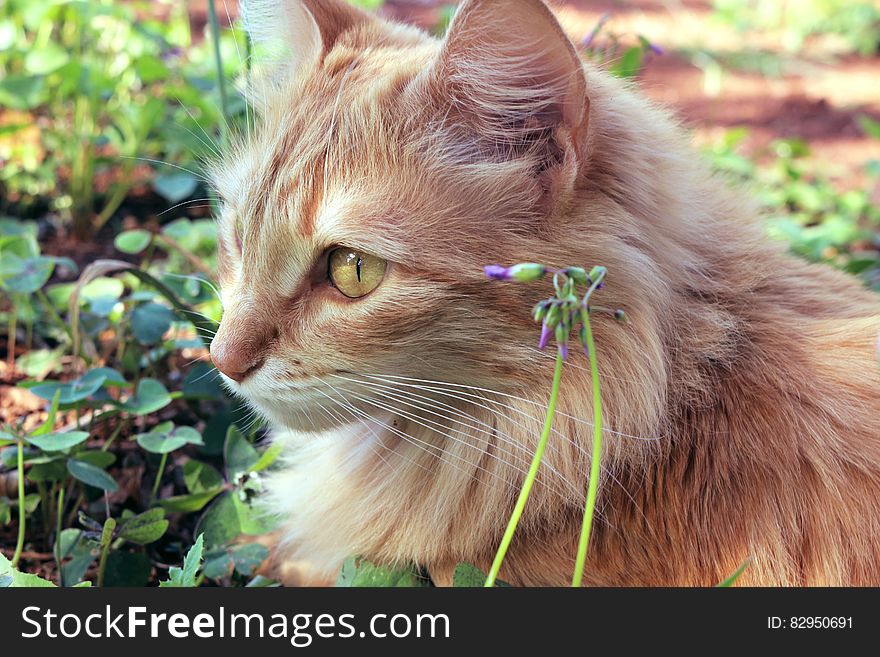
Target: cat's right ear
(511, 72)
(291, 36)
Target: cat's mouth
(294, 401)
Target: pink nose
(235, 361)
(240, 347)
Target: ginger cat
(387, 167)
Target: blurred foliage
(622, 55)
(92, 89)
(856, 22)
(804, 207)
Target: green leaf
(186, 576)
(468, 576)
(133, 241)
(150, 321)
(55, 470)
(220, 522)
(248, 557)
(149, 397)
(176, 187)
(189, 503)
(357, 572)
(629, 63)
(71, 392)
(201, 477)
(91, 475)
(10, 577)
(218, 564)
(252, 520)
(98, 458)
(57, 442)
(869, 126)
(82, 552)
(40, 362)
(267, 458)
(109, 377)
(25, 275)
(239, 454)
(22, 92)
(163, 442)
(144, 528)
(45, 59)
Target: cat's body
(742, 398)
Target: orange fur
(742, 400)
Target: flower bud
(582, 336)
(545, 335)
(497, 272)
(620, 316)
(562, 330)
(597, 272)
(539, 312)
(577, 274)
(553, 316)
(527, 271)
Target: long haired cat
(387, 167)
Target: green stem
(19, 545)
(593, 486)
(159, 475)
(53, 314)
(10, 339)
(113, 436)
(530, 477)
(106, 542)
(59, 516)
(221, 80)
(71, 516)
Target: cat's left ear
(512, 74)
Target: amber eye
(355, 273)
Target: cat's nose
(234, 362)
(240, 353)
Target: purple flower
(545, 335)
(563, 350)
(497, 272)
(654, 48)
(587, 41)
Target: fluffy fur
(742, 399)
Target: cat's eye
(355, 273)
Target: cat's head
(385, 169)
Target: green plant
(559, 316)
(804, 207)
(97, 93)
(622, 55)
(23, 273)
(857, 22)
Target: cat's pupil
(358, 268)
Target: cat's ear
(291, 35)
(511, 71)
